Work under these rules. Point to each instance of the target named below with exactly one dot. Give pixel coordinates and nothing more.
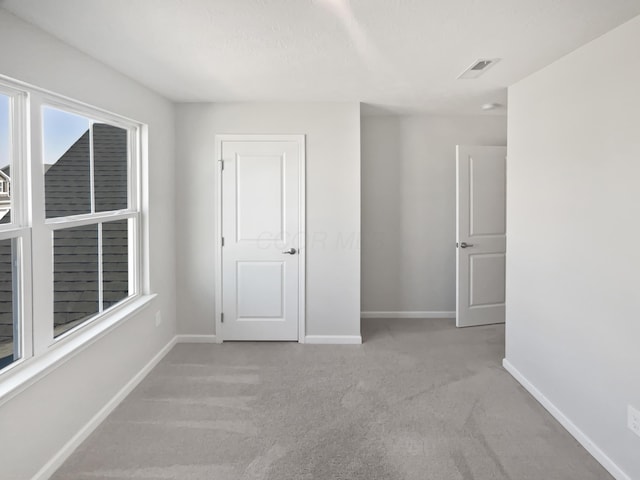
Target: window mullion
(89, 219)
(41, 240)
(100, 271)
(13, 233)
(134, 257)
(92, 186)
(135, 193)
(25, 288)
(20, 201)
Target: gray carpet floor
(419, 399)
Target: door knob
(291, 251)
(465, 245)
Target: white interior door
(261, 188)
(481, 235)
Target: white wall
(333, 206)
(408, 207)
(573, 228)
(36, 424)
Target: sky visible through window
(61, 130)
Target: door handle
(291, 251)
(465, 245)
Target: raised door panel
(260, 197)
(487, 185)
(260, 290)
(487, 279)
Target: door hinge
(223, 241)
(221, 164)
(222, 318)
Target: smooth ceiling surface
(395, 55)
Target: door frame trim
(302, 176)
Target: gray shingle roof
(110, 167)
(6, 303)
(67, 182)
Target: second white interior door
(481, 235)
(261, 231)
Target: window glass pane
(66, 163)
(115, 262)
(5, 159)
(110, 167)
(75, 276)
(9, 326)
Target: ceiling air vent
(478, 68)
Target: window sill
(26, 372)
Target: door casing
(301, 141)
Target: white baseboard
(196, 339)
(571, 427)
(59, 458)
(407, 314)
(333, 339)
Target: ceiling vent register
(478, 68)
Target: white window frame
(41, 352)
(42, 238)
(18, 229)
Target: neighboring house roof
(5, 199)
(68, 192)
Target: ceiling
(393, 55)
